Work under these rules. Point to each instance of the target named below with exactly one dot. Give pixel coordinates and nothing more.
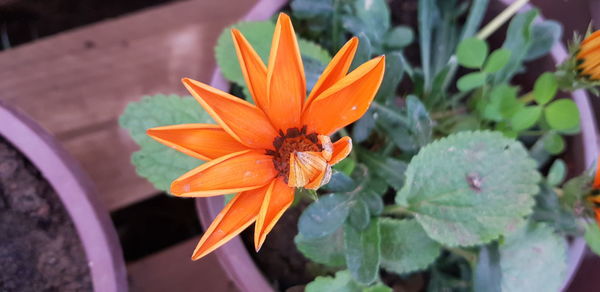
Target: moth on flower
(262, 152)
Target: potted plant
(54, 233)
(454, 178)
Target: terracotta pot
(237, 262)
(74, 188)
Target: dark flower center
(294, 140)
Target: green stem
(449, 113)
(527, 98)
(500, 19)
(467, 255)
(396, 210)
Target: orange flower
(594, 198)
(263, 152)
(589, 56)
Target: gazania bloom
(589, 57)
(262, 152)
(594, 198)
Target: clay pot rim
(236, 260)
(77, 194)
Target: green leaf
(487, 275)
(533, 259)
(545, 35)
(378, 288)
(497, 60)
(363, 127)
(472, 52)
(471, 81)
(548, 209)
(371, 17)
(545, 88)
(359, 216)
(328, 250)
(502, 104)
(363, 52)
(399, 37)
(562, 115)
(346, 166)
(476, 14)
(373, 201)
(592, 237)
(518, 40)
(409, 128)
(324, 216)
(342, 282)
(312, 8)
(394, 71)
(259, 35)
(457, 187)
(390, 169)
(405, 247)
(526, 117)
(362, 252)
(340, 183)
(554, 143)
(158, 163)
(557, 173)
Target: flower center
(294, 140)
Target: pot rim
(77, 194)
(241, 268)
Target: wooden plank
(77, 83)
(172, 270)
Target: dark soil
(282, 264)
(39, 246)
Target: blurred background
(73, 65)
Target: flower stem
(527, 98)
(500, 19)
(396, 210)
(467, 255)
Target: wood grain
(173, 270)
(77, 83)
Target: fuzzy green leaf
(158, 163)
(328, 250)
(399, 37)
(533, 259)
(557, 173)
(545, 35)
(359, 215)
(388, 168)
(562, 115)
(457, 187)
(324, 216)
(362, 252)
(405, 247)
(342, 282)
(488, 275)
(472, 52)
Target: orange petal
(253, 68)
(202, 141)
(347, 100)
(341, 149)
(236, 172)
(286, 86)
(242, 120)
(276, 201)
(596, 184)
(597, 211)
(593, 37)
(325, 142)
(323, 178)
(305, 167)
(336, 70)
(238, 214)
